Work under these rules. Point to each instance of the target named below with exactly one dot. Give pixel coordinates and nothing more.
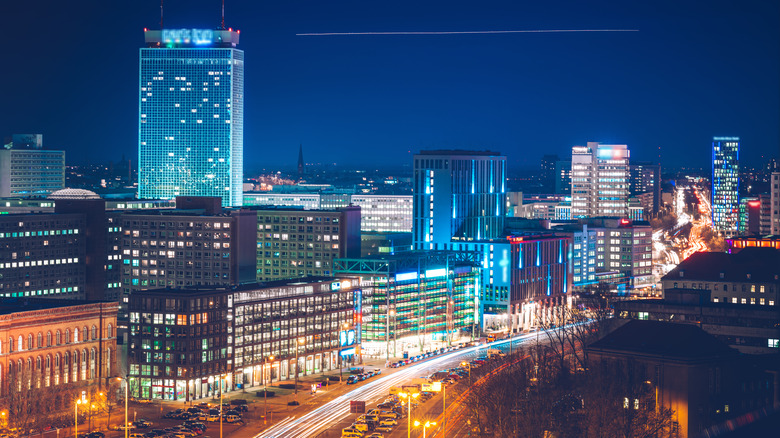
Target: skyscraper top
(458, 152)
(191, 38)
(725, 138)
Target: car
(142, 424)
(241, 408)
(376, 435)
(351, 380)
(96, 435)
(351, 432)
(213, 418)
(128, 426)
(194, 410)
(384, 428)
(232, 419)
(388, 422)
(136, 435)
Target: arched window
(94, 333)
(66, 367)
(1, 352)
(58, 337)
(48, 339)
(20, 344)
(84, 334)
(84, 364)
(110, 331)
(92, 363)
(57, 369)
(29, 342)
(67, 336)
(108, 361)
(75, 335)
(38, 363)
(75, 366)
(47, 371)
(10, 344)
(40, 340)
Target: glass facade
(725, 184)
(599, 180)
(191, 123)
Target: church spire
(301, 164)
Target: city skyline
(521, 94)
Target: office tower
(725, 184)
(458, 196)
(26, 169)
(563, 176)
(645, 177)
(775, 204)
(191, 113)
(548, 173)
(599, 180)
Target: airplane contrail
(466, 32)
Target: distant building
(738, 243)
(699, 378)
(27, 169)
(725, 184)
(599, 181)
(458, 195)
(225, 326)
(191, 115)
(548, 172)
(645, 177)
(563, 176)
(775, 204)
(294, 243)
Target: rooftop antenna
(161, 14)
(223, 14)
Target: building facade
(26, 169)
(189, 343)
(599, 180)
(294, 243)
(190, 115)
(725, 185)
(458, 195)
(774, 203)
(63, 346)
(645, 178)
(416, 301)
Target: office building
(541, 278)
(191, 114)
(725, 185)
(197, 244)
(458, 196)
(738, 243)
(27, 169)
(645, 178)
(65, 345)
(599, 180)
(294, 243)
(563, 177)
(415, 301)
(548, 174)
(774, 203)
(233, 337)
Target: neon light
(406, 276)
(187, 36)
(431, 273)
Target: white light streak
(465, 32)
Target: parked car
(142, 424)
(232, 419)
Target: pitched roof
(671, 340)
(763, 265)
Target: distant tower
(301, 164)
(725, 184)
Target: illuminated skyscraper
(599, 180)
(458, 196)
(191, 114)
(725, 184)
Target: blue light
(406, 276)
(538, 254)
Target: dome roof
(73, 194)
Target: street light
(265, 391)
(127, 394)
(409, 396)
(387, 336)
(76, 408)
(425, 425)
(341, 360)
(301, 341)
(467, 364)
(221, 376)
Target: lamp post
(425, 425)
(409, 396)
(467, 364)
(265, 390)
(76, 426)
(221, 376)
(127, 394)
(300, 342)
(341, 360)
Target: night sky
(693, 70)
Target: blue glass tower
(725, 185)
(190, 115)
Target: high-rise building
(27, 169)
(775, 204)
(191, 113)
(548, 172)
(645, 177)
(599, 180)
(725, 184)
(563, 176)
(458, 195)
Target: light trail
(331, 413)
(464, 32)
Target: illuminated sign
(430, 273)
(335, 285)
(346, 338)
(406, 276)
(346, 284)
(187, 36)
(610, 153)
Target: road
(334, 415)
